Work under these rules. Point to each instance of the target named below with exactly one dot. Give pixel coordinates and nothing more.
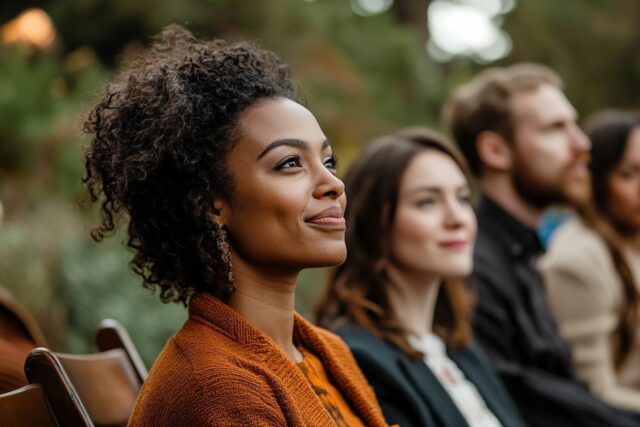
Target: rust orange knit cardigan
(219, 370)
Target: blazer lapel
(475, 373)
(433, 392)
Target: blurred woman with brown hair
(399, 301)
(592, 268)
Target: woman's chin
(456, 270)
(329, 258)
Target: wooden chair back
(26, 407)
(105, 383)
(112, 335)
(44, 368)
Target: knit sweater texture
(219, 370)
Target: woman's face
(624, 187)
(287, 204)
(435, 227)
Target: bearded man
(519, 135)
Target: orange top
(219, 370)
(329, 395)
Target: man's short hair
(484, 103)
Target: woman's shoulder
(183, 357)
(365, 344)
(200, 356)
(576, 244)
(574, 236)
(357, 335)
(344, 341)
(190, 382)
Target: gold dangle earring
(225, 252)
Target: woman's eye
(465, 199)
(331, 163)
(288, 163)
(627, 174)
(426, 202)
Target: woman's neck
(413, 299)
(631, 243)
(627, 237)
(268, 303)
(630, 239)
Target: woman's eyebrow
(425, 189)
(290, 142)
(435, 189)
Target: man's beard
(544, 193)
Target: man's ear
(494, 151)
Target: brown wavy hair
(160, 139)
(609, 132)
(358, 289)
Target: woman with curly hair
(398, 301)
(229, 187)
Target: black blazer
(411, 395)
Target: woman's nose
(453, 215)
(328, 185)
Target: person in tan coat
(592, 268)
(230, 188)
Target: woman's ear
(494, 151)
(218, 212)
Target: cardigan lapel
(307, 401)
(433, 392)
(342, 368)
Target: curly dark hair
(160, 138)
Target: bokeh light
(468, 28)
(33, 26)
(370, 7)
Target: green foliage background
(362, 77)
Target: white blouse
(464, 394)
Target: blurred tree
(414, 13)
(594, 45)
(362, 76)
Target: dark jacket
(514, 325)
(410, 394)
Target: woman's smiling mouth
(329, 218)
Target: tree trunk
(414, 14)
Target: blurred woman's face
(287, 204)
(624, 187)
(435, 227)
